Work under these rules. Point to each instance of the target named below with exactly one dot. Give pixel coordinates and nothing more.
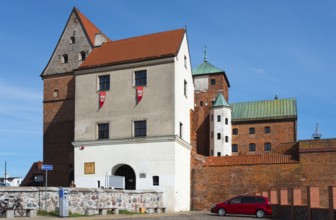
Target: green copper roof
(220, 101)
(269, 109)
(206, 68)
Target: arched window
(65, 58)
(267, 146)
(72, 40)
(82, 56)
(252, 131)
(252, 147)
(234, 147)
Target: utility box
(63, 202)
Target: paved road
(162, 216)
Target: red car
(246, 205)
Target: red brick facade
(273, 132)
(58, 128)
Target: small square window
(104, 83)
(140, 78)
(226, 139)
(252, 130)
(219, 154)
(268, 146)
(252, 147)
(219, 136)
(226, 121)
(156, 180)
(201, 103)
(64, 58)
(235, 131)
(267, 130)
(213, 82)
(140, 128)
(234, 147)
(103, 131)
(218, 118)
(56, 93)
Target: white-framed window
(104, 82)
(103, 130)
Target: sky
(281, 47)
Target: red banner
(102, 96)
(139, 93)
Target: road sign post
(46, 167)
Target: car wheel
(221, 212)
(260, 214)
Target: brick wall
(214, 184)
(280, 132)
(58, 128)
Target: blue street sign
(47, 167)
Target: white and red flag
(139, 93)
(102, 96)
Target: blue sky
(266, 47)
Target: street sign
(47, 167)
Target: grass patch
(54, 213)
(126, 212)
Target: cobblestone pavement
(162, 216)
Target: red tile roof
(152, 46)
(89, 27)
(249, 160)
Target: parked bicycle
(16, 205)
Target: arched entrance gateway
(128, 173)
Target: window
(226, 139)
(155, 180)
(252, 147)
(56, 93)
(65, 58)
(213, 82)
(181, 129)
(226, 121)
(218, 118)
(103, 131)
(267, 130)
(72, 40)
(234, 147)
(211, 117)
(185, 62)
(219, 154)
(252, 131)
(249, 200)
(140, 128)
(185, 88)
(201, 103)
(104, 83)
(235, 131)
(82, 56)
(219, 136)
(268, 146)
(212, 102)
(140, 78)
(211, 153)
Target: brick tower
(78, 39)
(208, 81)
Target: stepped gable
(249, 160)
(90, 29)
(147, 47)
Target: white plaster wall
(226, 130)
(201, 82)
(167, 159)
(183, 103)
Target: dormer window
(65, 58)
(82, 56)
(72, 40)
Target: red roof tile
(152, 46)
(89, 27)
(249, 160)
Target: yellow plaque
(89, 168)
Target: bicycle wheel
(19, 209)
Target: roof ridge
(265, 100)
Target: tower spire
(205, 54)
(317, 134)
